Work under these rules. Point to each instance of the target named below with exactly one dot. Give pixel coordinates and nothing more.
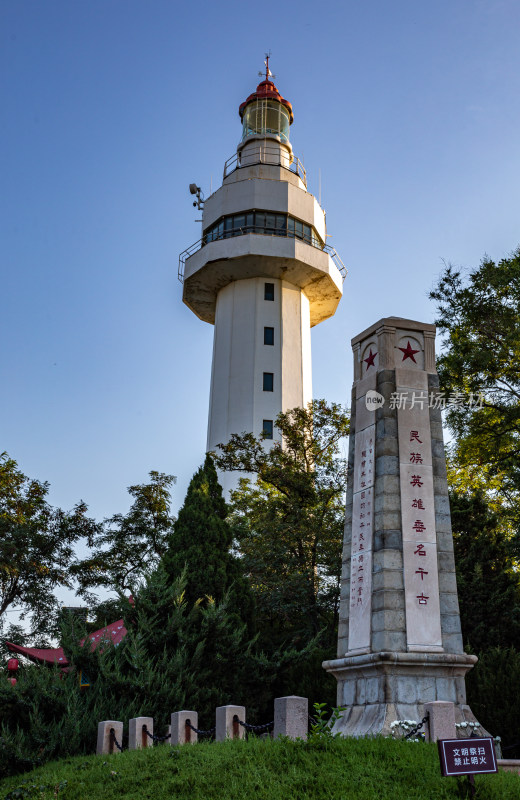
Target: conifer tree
(201, 544)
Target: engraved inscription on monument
(421, 582)
(361, 553)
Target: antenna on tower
(268, 73)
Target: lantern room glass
(264, 117)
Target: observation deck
(284, 241)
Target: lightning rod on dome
(268, 73)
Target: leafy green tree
(289, 524)
(480, 317)
(36, 546)
(126, 546)
(488, 582)
(479, 314)
(201, 542)
(489, 596)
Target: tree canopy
(36, 546)
(479, 313)
(479, 370)
(289, 524)
(126, 546)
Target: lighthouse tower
(262, 274)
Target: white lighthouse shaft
(261, 357)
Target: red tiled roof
(115, 633)
(41, 655)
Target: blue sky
(410, 110)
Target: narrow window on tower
(268, 291)
(267, 428)
(268, 335)
(268, 381)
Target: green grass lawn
(259, 769)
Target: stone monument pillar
(399, 640)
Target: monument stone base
(380, 688)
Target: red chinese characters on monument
(418, 528)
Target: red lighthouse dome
(266, 90)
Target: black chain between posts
(210, 732)
(417, 727)
(156, 738)
(113, 738)
(268, 726)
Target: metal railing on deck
(264, 154)
(258, 232)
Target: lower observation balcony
(258, 229)
(204, 269)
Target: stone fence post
(226, 723)
(441, 720)
(137, 736)
(291, 717)
(180, 732)
(105, 742)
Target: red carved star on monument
(370, 360)
(409, 352)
